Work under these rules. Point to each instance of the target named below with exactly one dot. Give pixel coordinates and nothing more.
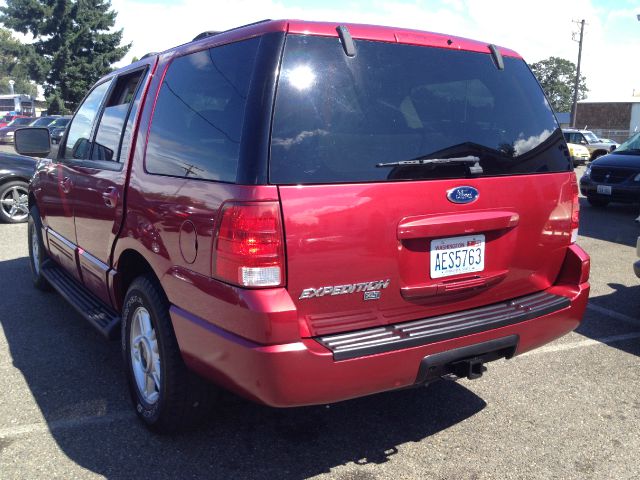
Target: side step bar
(102, 317)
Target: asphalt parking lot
(570, 410)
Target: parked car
(587, 138)
(45, 121)
(59, 122)
(579, 154)
(609, 142)
(15, 173)
(614, 177)
(7, 119)
(6, 133)
(57, 129)
(331, 231)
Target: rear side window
(197, 125)
(337, 117)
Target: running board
(101, 316)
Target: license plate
(456, 255)
(604, 189)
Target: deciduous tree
(557, 76)
(14, 65)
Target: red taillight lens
(249, 248)
(575, 209)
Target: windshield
(42, 122)
(630, 145)
(61, 122)
(337, 117)
(21, 121)
(591, 138)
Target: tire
(167, 397)
(37, 252)
(14, 201)
(597, 202)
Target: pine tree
(73, 43)
(14, 65)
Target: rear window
(197, 124)
(337, 117)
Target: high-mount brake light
(249, 247)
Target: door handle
(65, 184)
(110, 197)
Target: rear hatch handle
(453, 287)
(433, 226)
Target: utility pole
(574, 106)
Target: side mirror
(583, 142)
(33, 141)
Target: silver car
(587, 138)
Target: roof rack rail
(147, 55)
(211, 33)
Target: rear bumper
(305, 372)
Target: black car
(614, 177)
(15, 173)
(57, 128)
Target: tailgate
(363, 255)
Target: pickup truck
(305, 213)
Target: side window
(78, 144)
(116, 111)
(197, 125)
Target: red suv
(305, 213)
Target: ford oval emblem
(463, 194)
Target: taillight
(575, 209)
(249, 247)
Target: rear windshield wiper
(472, 161)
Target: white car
(579, 154)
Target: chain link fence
(615, 135)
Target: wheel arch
(14, 178)
(129, 265)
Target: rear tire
(14, 202)
(37, 252)
(167, 396)
(597, 202)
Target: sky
(537, 29)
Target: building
(16, 104)
(564, 119)
(616, 119)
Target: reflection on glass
(198, 119)
(78, 142)
(301, 77)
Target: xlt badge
(371, 290)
